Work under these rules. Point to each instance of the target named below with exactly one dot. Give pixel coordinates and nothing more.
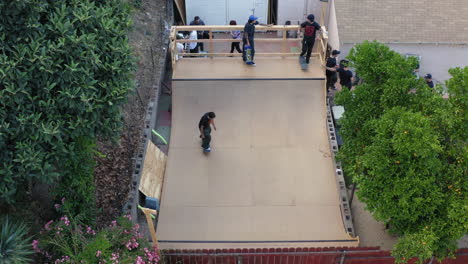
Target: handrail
(321, 44)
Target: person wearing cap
(309, 29)
(429, 81)
(200, 34)
(331, 67)
(248, 37)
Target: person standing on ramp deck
(206, 121)
(309, 28)
(248, 44)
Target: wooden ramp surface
(235, 68)
(269, 181)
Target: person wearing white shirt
(180, 47)
(193, 45)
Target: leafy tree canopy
(405, 147)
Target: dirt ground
(114, 172)
(371, 233)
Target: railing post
(283, 43)
(173, 45)
(211, 43)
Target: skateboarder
(248, 39)
(206, 121)
(309, 28)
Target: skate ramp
(269, 180)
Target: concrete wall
(435, 59)
(297, 10)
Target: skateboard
(206, 152)
(248, 55)
(304, 65)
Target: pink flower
(57, 206)
(129, 217)
(89, 230)
(115, 258)
(139, 260)
(65, 220)
(63, 200)
(35, 245)
(98, 253)
(132, 243)
(47, 226)
(62, 260)
(152, 256)
(114, 223)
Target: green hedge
(65, 70)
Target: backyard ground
(114, 172)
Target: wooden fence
(321, 44)
(364, 255)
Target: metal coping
(248, 79)
(342, 191)
(254, 241)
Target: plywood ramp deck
(269, 180)
(235, 68)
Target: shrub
(76, 186)
(15, 246)
(67, 241)
(65, 70)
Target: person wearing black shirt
(206, 121)
(248, 36)
(346, 75)
(331, 67)
(309, 28)
(429, 81)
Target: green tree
(405, 147)
(65, 70)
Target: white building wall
(435, 59)
(220, 12)
(297, 10)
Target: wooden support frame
(148, 214)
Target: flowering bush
(67, 241)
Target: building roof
(405, 21)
